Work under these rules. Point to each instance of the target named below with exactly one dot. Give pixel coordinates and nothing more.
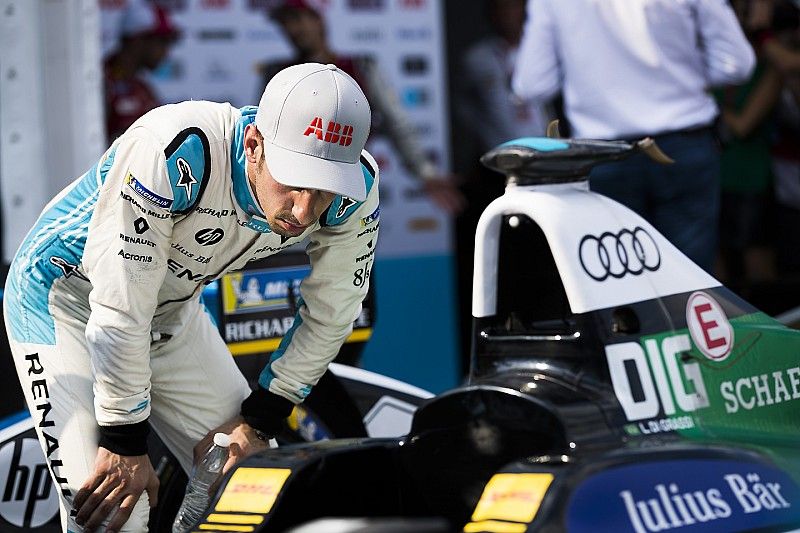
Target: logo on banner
(28, 498)
(423, 129)
(367, 34)
(215, 4)
(262, 290)
(262, 5)
(412, 33)
(216, 34)
(711, 331)
(173, 5)
(415, 65)
(357, 5)
(415, 97)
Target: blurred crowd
(715, 82)
(759, 132)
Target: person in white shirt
(634, 68)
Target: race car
(614, 386)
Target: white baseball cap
(315, 121)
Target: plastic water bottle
(204, 474)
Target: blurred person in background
(747, 129)
(488, 110)
(304, 27)
(491, 109)
(630, 69)
(786, 171)
(146, 37)
(779, 35)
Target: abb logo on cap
(335, 132)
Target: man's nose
(303, 208)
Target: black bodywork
(539, 400)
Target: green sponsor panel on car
(715, 376)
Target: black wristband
(266, 411)
(127, 439)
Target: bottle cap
(221, 439)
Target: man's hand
(445, 194)
(113, 488)
(243, 442)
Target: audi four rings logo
(616, 255)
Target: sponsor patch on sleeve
(147, 194)
(366, 221)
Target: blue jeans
(681, 200)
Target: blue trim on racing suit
(51, 250)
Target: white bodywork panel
(585, 230)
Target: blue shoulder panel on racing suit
(188, 159)
(52, 249)
(342, 207)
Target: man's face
(155, 50)
(289, 211)
(304, 29)
(508, 18)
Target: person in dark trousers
(633, 69)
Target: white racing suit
(102, 300)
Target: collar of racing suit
(242, 191)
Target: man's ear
(253, 144)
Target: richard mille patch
(67, 268)
(146, 193)
(186, 179)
